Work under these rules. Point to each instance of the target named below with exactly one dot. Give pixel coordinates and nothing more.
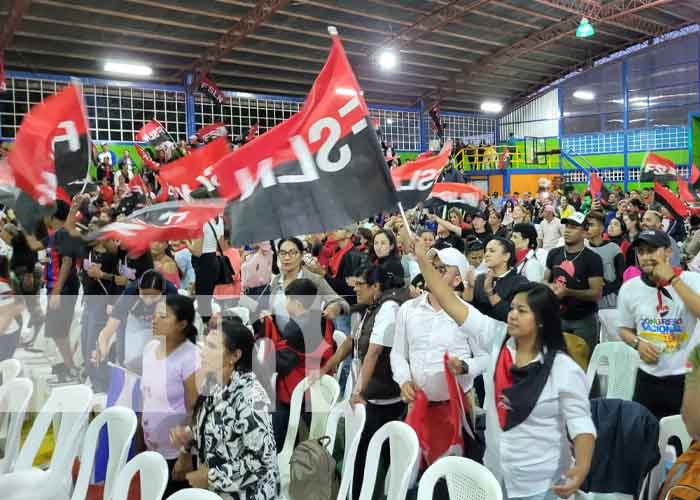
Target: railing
(495, 157)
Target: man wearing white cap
(424, 332)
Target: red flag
(318, 170)
(665, 197)
(195, 169)
(685, 192)
(425, 154)
(210, 88)
(455, 192)
(598, 189)
(3, 84)
(164, 192)
(173, 220)
(146, 158)
(437, 441)
(695, 177)
(658, 169)
(414, 179)
(253, 132)
(153, 133)
(52, 147)
(137, 185)
(212, 131)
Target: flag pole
(405, 220)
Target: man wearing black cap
(658, 313)
(575, 274)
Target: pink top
(257, 269)
(631, 272)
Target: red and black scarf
(517, 389)
(334, 264)
(661, 291)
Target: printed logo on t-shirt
(667, 334)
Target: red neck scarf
(503, 379)
(520, 255)
(334, 265)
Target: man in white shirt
(105, 156)
(658, 313)
(424, 332)
(550, 230)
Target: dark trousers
(377, 416)
(173, 486)
(93, 321)
(663, 396)
(280, 422)
(206, 272)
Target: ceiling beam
(245, 26)
(437, 18)
(14, 18)
(559, 30)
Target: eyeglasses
(291, 253)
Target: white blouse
(532, 456)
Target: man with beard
(658, 313)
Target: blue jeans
(343, 324)
(93, 321)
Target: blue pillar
(625, 103)
(506, 181)
(189, 105)
(560, 100)
(423, 128)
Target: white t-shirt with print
(673, 329)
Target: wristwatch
(636, 344)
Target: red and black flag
(675, 205)
(598, 189)
(173, 220)
(52, 149)
(153, 133)
(414, 180)
(195, 169)
(164, 192)
(687, 192)
(437, 125)
(211, 132)
(456, 193)
(136, 185)
(656, 168)
(695, 177)
(210, 88)
(319, 170)
(146, 158)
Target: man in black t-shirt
(575, 274)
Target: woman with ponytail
(168, 387)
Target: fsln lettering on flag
(414, 180)
(320, 169)
(197, 168)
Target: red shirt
(107, 194)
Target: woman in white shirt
(524, 237)
(541, 392)
(206, 265)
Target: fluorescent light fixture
(389, 121)
(128, 68)
(245, 95)
(388, 59)
(491, 107)
(584, 95)
(585, 29)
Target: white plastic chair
(669, 427)
(153, 471)
(466, 480)
(194, 494)
(72, 404)
(354, 425)
(622, 363)
(14, 401)
(404, 448)
(9, 370)
(324, 394)
(609, 325)
(121, 426)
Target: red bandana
(520, 255)
(334, 265)
(503, 379)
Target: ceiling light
(584, 95)
(389, 121)
(491, 107)
(128, 68)
(388, 59)
(585, 29)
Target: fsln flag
(173, 220)
(197, 168)
(321, 169)
(686, 192)
(52, 148)
(146, 158)
(467, 195)
(437, 124)
(210, 88)
(598, 189)
(668, 199)
(658, 169)
(164, 192)
(414, 180)
(210, 132)
(153, 133)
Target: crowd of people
(503, 290)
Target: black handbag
(226, 274)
